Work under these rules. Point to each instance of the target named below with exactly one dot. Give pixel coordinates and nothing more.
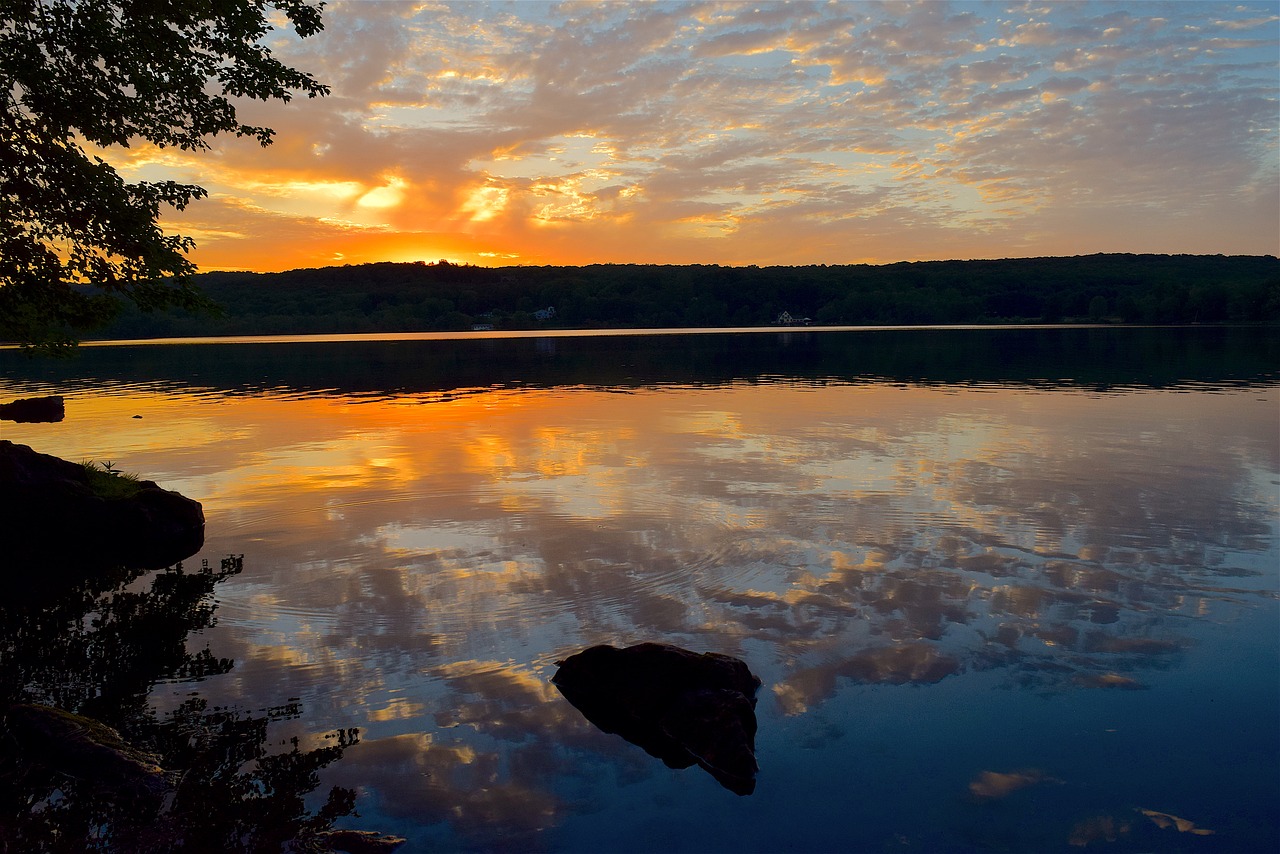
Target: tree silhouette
(87, 765)
(75, 238)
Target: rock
(85, 749)
(50, 516)
(681, 707)
(357, 841)
(34, 410)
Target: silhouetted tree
(75, 237)
(79, 658)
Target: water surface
(1005, 589)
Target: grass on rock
(106, 482)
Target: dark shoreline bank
(419, 297)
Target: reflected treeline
(87, 765)
(1097, 358)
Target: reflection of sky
(414, 569)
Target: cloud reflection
(991, 785)
(414, 568)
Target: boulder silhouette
(51, 515)
(34, 410)
(85, 749)
(682, 707)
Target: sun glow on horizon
(766, 134)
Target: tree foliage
(91, 642)
(75, 76)
(389, 297)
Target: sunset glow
(736, 133)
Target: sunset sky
(752, 133)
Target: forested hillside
(389, 297)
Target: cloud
(1001, 131)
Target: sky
(751, 133)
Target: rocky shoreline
(51, 515)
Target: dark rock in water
(34, 410)
(356, 841)
(88, 750)
(682, 707)
(51, 516)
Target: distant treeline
(391, 297)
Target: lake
(1005, 589)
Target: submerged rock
(86, 749)
(355, 841)
(34, 410)
(51, 514)
(681, 707)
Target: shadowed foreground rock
(34, 410)
(50, 514)
(356, 842)
(682, 707)
(86, 750)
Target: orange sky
(731, 133)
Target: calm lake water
(1009, 590)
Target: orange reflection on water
(415, 564)
(867, 533)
